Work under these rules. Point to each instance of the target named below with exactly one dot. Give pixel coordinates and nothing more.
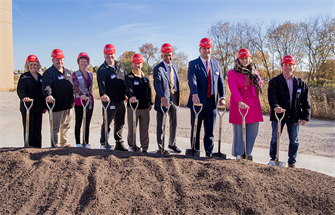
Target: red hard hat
(57, 53)
(109, 49)
(206, 43)
(288, 59)
(137, 58)
(83, 55)
(166, 47)
(32, 58)
(243, 53)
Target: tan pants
(61, 126)
(143, 117)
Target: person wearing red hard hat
(29, 87)
(57, 88)
(245, 85)
(111, 81)
(206, 84)
(288, 94)
(166, 84)
(138, 91)
(82, 84)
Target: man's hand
(303, 122)
(195, 99)
(164, 102)
(242, 105)
(25, 99)
(132, 99)
(50, 99)
(104, 98)
(279, 110)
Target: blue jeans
(251, 134)
(293, 132)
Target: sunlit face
(205, 53)
(287, 69)
(83, 64)
(167, 57)
(110, 58)
(33, 67)
(58, 63)
(245, 61)
(137, 66)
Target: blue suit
(162, 88)
(197, 81)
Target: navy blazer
(197, 81)
(162, 84)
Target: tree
(148, 51)
(127, 55)
(181, 59)
(95, 69)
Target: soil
(79, 181)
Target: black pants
(35, 128)
(79, 118)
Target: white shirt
(174, 75)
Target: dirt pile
(79, 181)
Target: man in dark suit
(166, 84)
(206, 83)
(288, 93)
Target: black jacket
(278, 96)
(140, 88)
(112, 81)
(29, 87)
(60, 86)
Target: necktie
(209, 87)
(171, 80)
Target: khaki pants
(143, 117)
(61, 126)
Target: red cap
(109, 49)
(32, 58)
(166, 47)
(83, 55)
(137, 58)
(243, 53)
(57, 53)
(288, 59)
(206, 43)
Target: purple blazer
(246, 93)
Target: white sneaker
(104, 147)
(79, 146)
(239, 157)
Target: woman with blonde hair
(30, 87)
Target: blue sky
(75, 26)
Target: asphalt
(11, 135)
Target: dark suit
(162, 88)
(197, 81)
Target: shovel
(84, 144)
(106, 124)
(51, 119)
(162, 150)
(134, 148)
(223, 108)
(245, 155)
(26, 136)
(193, 151)
(277, 162)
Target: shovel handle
(223, 108)
(281, 118)
(30, 106)
(167, 109)
(82, 103)
(53, 105)
(130, 104)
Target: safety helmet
(166, 47)
(243, 53)
(109, 49)
(288, 59)
(206, 43)
(83, 55)
(32, 58)
(137, 58)
(57, 53)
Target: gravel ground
(316, 138)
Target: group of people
(286, 93)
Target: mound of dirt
(79, 181)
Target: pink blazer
(247, 94)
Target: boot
(119, 146)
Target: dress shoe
(175, 149)
(104, 147)
(291, 166)
(119, 146)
